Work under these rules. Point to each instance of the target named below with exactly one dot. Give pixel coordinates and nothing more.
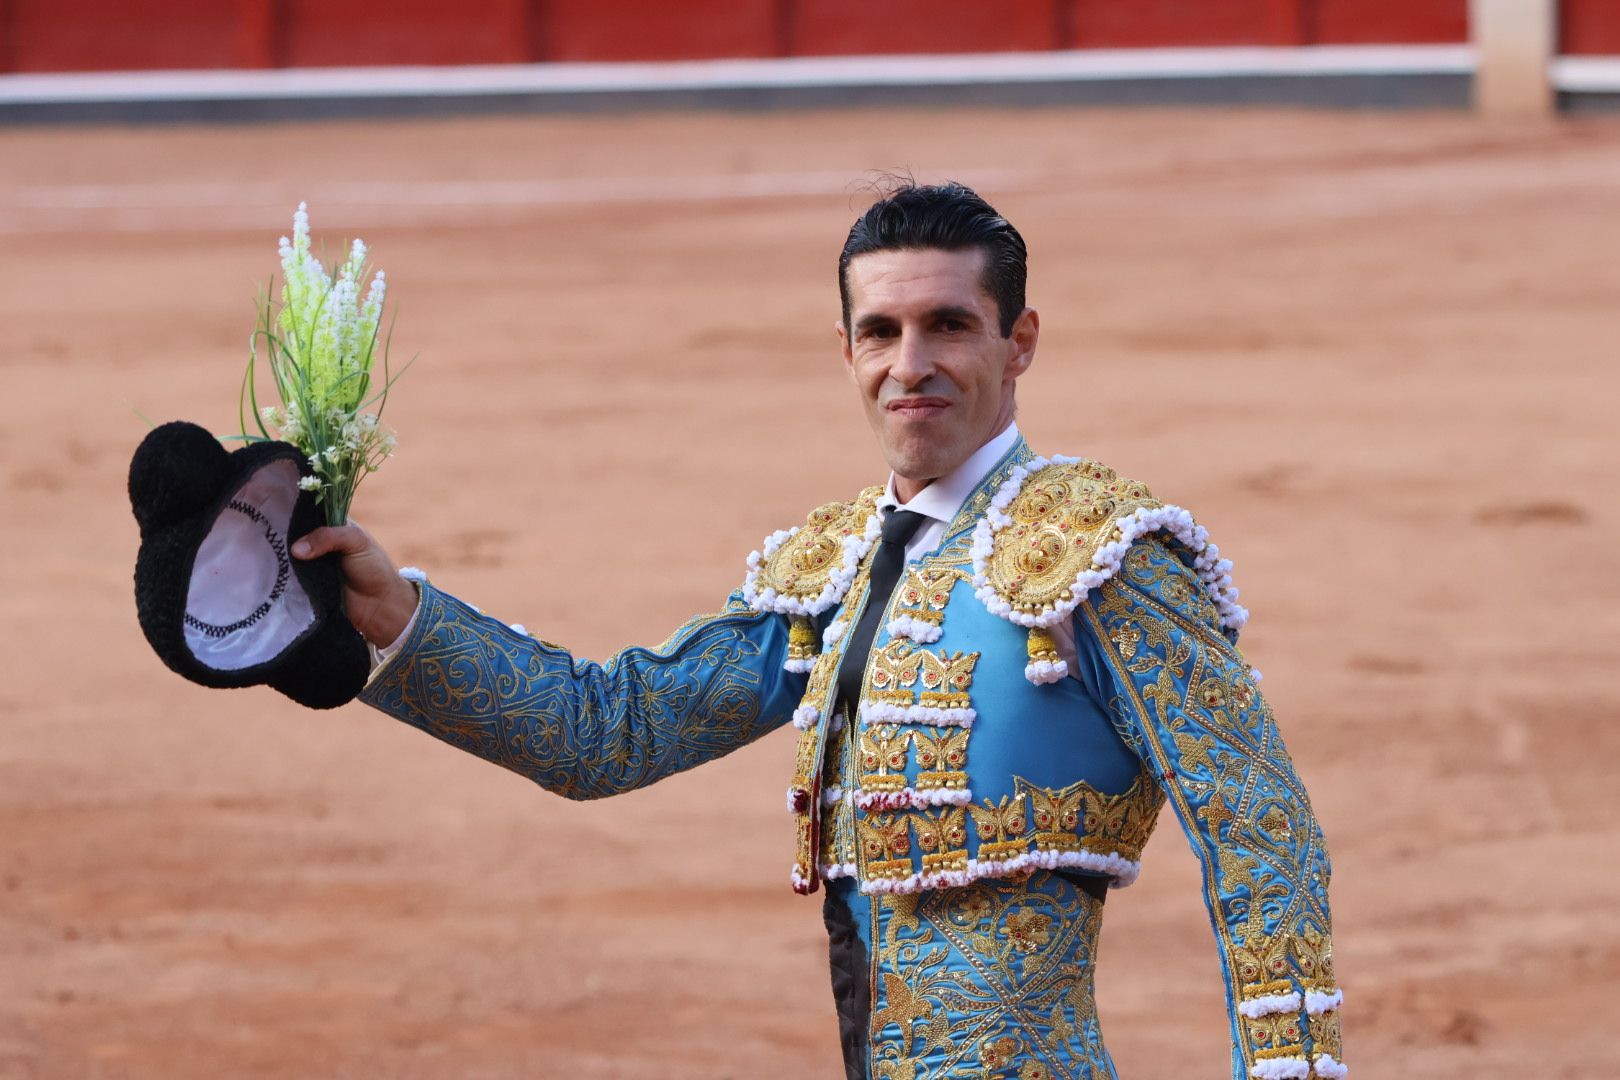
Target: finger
(348, 539)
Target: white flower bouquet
(320, 343)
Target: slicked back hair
(942, 217)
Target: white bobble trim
(1255, 1008)
(1317, 1002)
(1041, 672)
(798, 667)
(918, 630)
(1283, 1068)
(805, 717)
(838, 580)
(1329, 1069)
(411, 573)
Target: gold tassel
(1042, 646)
(802, 643)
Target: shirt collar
(944, 497)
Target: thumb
(348, 539)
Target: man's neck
(906, 489)
(957, 483)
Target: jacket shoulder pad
(1060, 527)
(808, 569)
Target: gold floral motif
(895, 671)
(1208, 731)
(885, 845)
(941, 759)
(1313, 956)
(942, 838)
(1325, 1037)
(924, 592)
(1001, 828)
(1028, 930)
(1059, 519)
(946, 677)
(1121, 824)
(883, 758)
(803, 565)
(1056, 814)
(989, 980)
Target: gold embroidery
(803, 642)
(942, 837)
(1001, 828)
(1121, 824)
(924, 592)
(1056, 815)
(946, 677)
(941, 759)
(1209, 729)
(1060, 517)
(802, 567)
(885, 845)
(974, 981)
(1041, 646)
(895, 670)
(883, 758)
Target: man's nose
(914, 362)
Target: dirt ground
(1376, 353)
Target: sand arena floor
(1378, 355)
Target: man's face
(924, 347)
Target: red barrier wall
(90, 35)
(327, 33)
(1589, 27)
(656, 30)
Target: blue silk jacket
(977, 760)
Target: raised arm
(1187, 702)
(581, 729)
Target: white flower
(309, 483)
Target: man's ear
(844, 347)
(1025, 333)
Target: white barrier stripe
(797, 72)
(1586, 74)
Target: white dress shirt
(942, 500)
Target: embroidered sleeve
(578, 728)
(1187, 702)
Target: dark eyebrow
(866, 322)
(949, 311)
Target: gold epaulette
(804, 571)
(1060, 527)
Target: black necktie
(898, 527)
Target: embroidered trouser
(991, 979)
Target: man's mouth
(917, 408)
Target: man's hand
(377, 600)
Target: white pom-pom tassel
(1329, 1069)
(1041, 672)
(1282, 1068)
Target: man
(1000, 665)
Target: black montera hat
(219, 596)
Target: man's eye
(952, 326)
